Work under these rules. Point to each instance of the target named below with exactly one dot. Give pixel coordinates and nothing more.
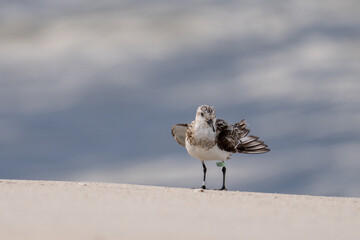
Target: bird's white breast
(204, 153)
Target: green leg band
(220, 164)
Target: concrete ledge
(72, 210)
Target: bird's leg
(224, 172)
(204, 169)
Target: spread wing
(179, 132)
(235, 139)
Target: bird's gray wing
(179, 132)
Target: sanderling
(207, 138)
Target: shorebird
(208, 138)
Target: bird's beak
(211, 124)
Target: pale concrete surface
(71, 210)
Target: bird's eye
(202, 114)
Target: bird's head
(206, 116)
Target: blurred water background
(89, 90)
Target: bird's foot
(223, 188)
(203, 187)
